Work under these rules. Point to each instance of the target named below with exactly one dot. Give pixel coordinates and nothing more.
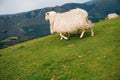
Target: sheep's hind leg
(63, 36)
(82, 33)
(92, 32)
(68, 35)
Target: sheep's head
(49, 15)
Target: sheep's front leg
(62, 36)
(82, 33)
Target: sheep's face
(47, 16)
(50, 15)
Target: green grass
(49, 58)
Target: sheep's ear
(47, 13)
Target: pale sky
(17, 6)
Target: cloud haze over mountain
(16, 6)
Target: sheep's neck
(52, 20)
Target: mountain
(49, 58)
(29, 25)
(103, 7)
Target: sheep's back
(70, 22)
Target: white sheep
(69, 22)
(112, 15)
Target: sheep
(69, 22)
(112, 15)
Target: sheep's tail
(89, 22)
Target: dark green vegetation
(49, 58)
(30, 25)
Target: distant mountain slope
(49, 58)
(103, 7)
(32, 24)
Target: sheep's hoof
(92, 35)
(81, 37)
(61, 38)
(66, 38)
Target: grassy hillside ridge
(49, 58)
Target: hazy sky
(16, 6)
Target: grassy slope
(48, 58)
